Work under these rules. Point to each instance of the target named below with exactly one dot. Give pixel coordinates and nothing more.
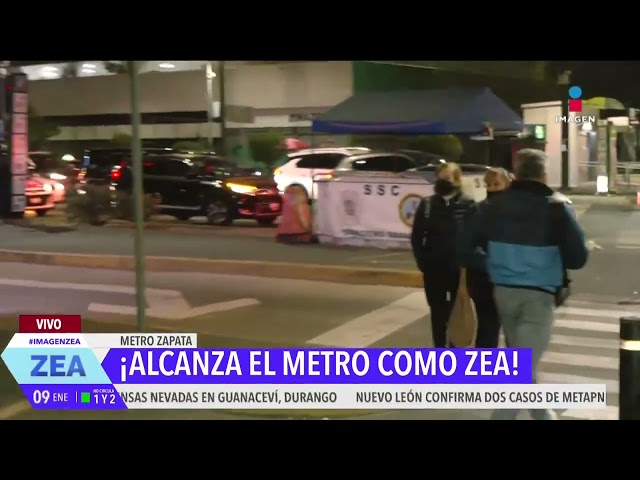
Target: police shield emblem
(407, 208)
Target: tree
(192, 146)
(70, 70)
(266, 148)
(40, 130)
(121, 140)
(115, 67)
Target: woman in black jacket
(433, 238)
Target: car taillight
(116, 174)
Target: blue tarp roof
(457, 111)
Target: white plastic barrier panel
(474, 186)
(374, 211)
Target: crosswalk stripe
(562, 378)
(598, 306)
(590, 312)
(577, 360)
(376, 325)
(609, 413)
(586, 325)
(575, 341)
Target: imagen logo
(575, 99)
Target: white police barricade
(368, 210)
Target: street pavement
(297, 313)
(612, 268)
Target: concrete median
(296, 271)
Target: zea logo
(575, 106)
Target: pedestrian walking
(531, 239)
(433, 239)
(497, 181)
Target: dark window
(402, 164)
(150, 167)
(374, 164)
(174, 168)
(325, 161)
(215, 166)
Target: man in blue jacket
(530, 238)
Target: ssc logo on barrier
(407, 208)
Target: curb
(285, 270)
(26, 223)
(197, 228)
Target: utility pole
(223, 117)
(210, 74)
(564, 79)
(138, 196)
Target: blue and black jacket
(529, 236)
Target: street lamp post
(138, 195)
(564, 80)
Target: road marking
(573, 341)
(628, 247)
(583, 325)
(175, 310)
(562, 378)
(588, 312)
(379, 255)
(394, 262)
(578, 360)
(609, 413)
(14, 409)
(166, 304)
(93, 287)
(374, 326)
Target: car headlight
(57, 176)
(242, 189)
(47, 188)
(59, 187)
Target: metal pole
(210, 75)
(630, 368)
(564, 79)
(565, 146)
(138, 196)
(223, 130)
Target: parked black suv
(191, 185)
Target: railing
(627, 174)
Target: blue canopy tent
(452, 111)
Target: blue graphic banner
(317, 366)
(55, 366)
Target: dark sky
(615, 79)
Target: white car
(472, 178)
(306, 165)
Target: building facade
(91, 105)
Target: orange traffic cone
(295, 221)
